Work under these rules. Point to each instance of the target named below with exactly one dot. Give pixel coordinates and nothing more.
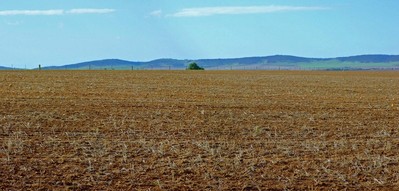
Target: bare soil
(199, 130)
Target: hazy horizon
(66, 32)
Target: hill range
(360, 62)
(5, 68)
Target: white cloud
(90, 11)
(31, 12)
(209, 11)
(54, 12)
(156, 13)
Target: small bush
(194, 66)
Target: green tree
(194, 66)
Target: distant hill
(256, 62)
(6, 68)
(265, 62)
(122, 64)
(377, 58)
(108, 63)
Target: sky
(59, 32)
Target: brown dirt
(205, 130)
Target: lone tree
(194, 66)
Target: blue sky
(59, 32)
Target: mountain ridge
(6, 68)
(366, 61)
(257, 62)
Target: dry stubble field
(206, 130)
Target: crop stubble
(189, 130)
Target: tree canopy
(194, 66)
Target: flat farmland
(199, 130)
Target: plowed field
(199, 130)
